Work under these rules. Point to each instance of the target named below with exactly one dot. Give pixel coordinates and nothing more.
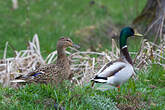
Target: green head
(125, 33)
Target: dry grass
(84, 64)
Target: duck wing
(108, 70)
(44, 74)
(43, 69)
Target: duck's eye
(68, 40)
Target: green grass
(52, 19)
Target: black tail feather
(98, 77)
(98, 81)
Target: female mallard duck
(54, 73)
(117, 72)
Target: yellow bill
(138, 34)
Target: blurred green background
(51, 19)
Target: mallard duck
(54, 73)
(117, 72)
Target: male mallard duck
(117, 72)
(54, 73)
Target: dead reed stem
(85, 64)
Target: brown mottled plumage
(54, 73)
